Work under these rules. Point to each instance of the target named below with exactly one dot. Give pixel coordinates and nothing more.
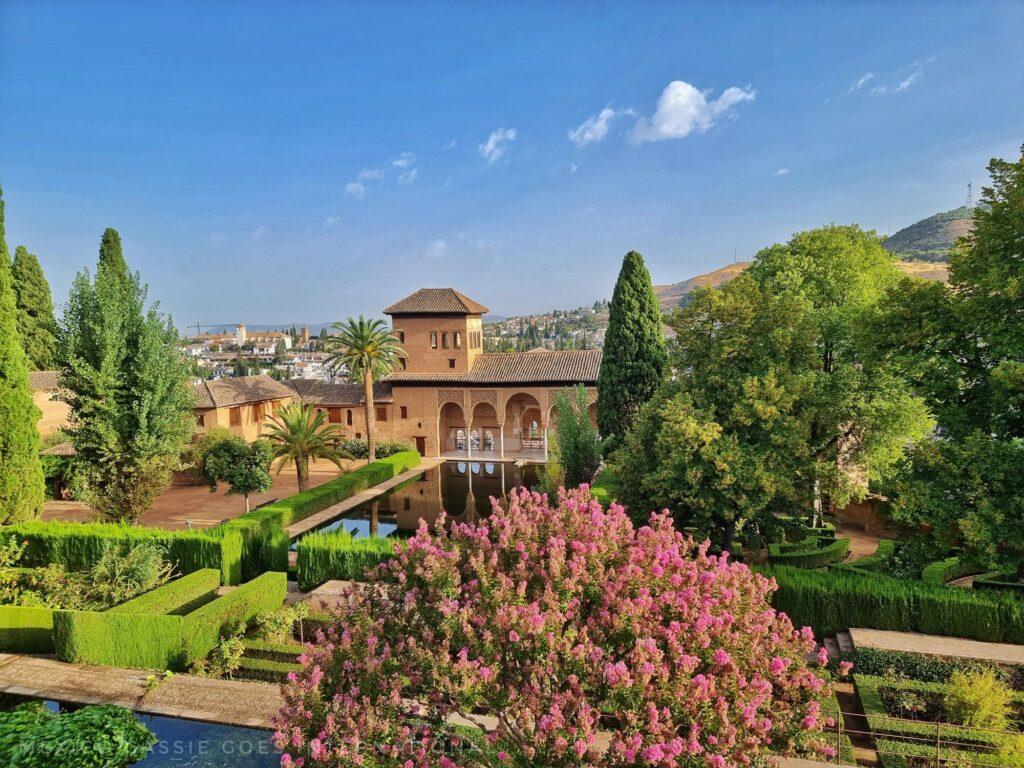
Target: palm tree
(369, 351)
(298, 434)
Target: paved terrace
(228, 702)
(1002, 653)
(326, 515)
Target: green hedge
(264, 544)
(835, 601)
(302, 505)
(941, 572)
(267, 670)
(925, 667)
(146, 641)
(273, 651)
(202, 629)
(815, 555)
(872, 564)
(999, 581)
(78, 546)
(160, 641)
(26, 629)
(177, 597)
(338, 555)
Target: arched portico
(524, 428)
(484, 429)
(453, 430)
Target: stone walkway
(227, 702)
(1002, 653)
(326, 515)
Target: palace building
(450, 398)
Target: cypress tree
(36, 323)
(111, 258)
(21, 473)
(634, 351)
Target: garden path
(1003, 653)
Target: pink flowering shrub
(569, 637)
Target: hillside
(674, 294)
(930, 239)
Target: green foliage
(605, 487)
(634, 351)
(26, 629)
(814, 555)
(134, 640)
(942, 572)
(176, 597)
(871, 564)
(127, 387)
(338, 555)
(279, 626)
(196, 452)
(79, 546)
(577, 444)
(300, 432)
(223, 661)
(978, 699)
(360, 449)
(36, 322)
(835, 601)
(91, 737)
(902, 665)
(287, 651)
(245, 467)
(264, 545)
(267, 670)
(367, 351)
(22, 490)
(203, 628)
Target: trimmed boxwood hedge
(267, 670)
(872, 564)
(202, 629)
(810, 553)
(942, 572)
(26, 629)
(161, 641)
(79, 546)
(835, 601)
(999, 581)
(179, 596)
(338, 555)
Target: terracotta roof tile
(321, 393)
(221, 393)
(569, 366)
(436, 301)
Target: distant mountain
(675, 294)
(930, 239)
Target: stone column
(545, 442)
(501, 440)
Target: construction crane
(199, 326)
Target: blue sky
(300, 162)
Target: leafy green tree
(578, 445)
(127, 387)
(368, 351)
(771, 407)
(964, 350)
(241, 367)
(298, 433)
(36, 322)
(245, 467)
(634, 351)
(280, 352)
(22, 489)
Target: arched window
(348, 417)
(488, 440)
(474, 439)
(458, 340)
(433, 339)
(460, 439)
(534, 429)
(444, 340)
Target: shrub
(978, 699)
(360, 449)
(337, 555)
(999, 581)
(202, 629)
(942, 572)
(834, 602)
(79, 546)
(26, 629)
(809, 553)
(224, 660)
(605, 487)
(92, 737)
(560, 622)
(279, 626)
(918, 666)
(871, 564)
(178, 597)
(267, 670)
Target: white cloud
(436, 249)
(573, 167)
(371, 174)
(862, 81)
(331, 222)
(260, 232)
(495, 146)
(408, 177)
(908, 76)
(908, 81)
(450, 145)
(595, 128)
(782, 172)
(682, 109)
(356, 190)
(404, 160)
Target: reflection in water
(463, 489)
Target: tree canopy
(634, 351)
(36, 322)
(21, 473)
(127, 387)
